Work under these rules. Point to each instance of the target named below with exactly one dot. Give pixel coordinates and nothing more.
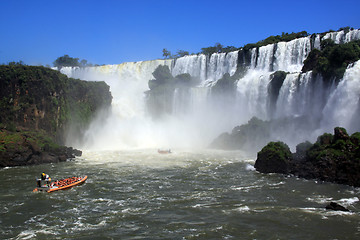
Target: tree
(208, 50)
(83, 63)
(182, 53)
(19, 63)
(66, 61)
(166, 53)
(217, 48)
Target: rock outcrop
(336, 207)
(38, 108)
(333, 158)
(21, 148)
(40, 98)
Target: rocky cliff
(47, 103)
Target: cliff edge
(39, 107)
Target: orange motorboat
(60, 184)
(164, 151)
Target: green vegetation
(333, 59)
(166, 53)
(284, 37)
(18, 140)
(333, 158)
(67, 61)
(40, 98)
(339, 146)
(274, 157)
(219, 48)
(279, 150)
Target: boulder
(336, 207)
(333, 158)
(274, 158)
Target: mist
(302, 108)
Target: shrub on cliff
(41, 98)
(333, 158)
(284, 37)
(275, 157)
(31, 147)
(333, 59)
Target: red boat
(164, 151)
(61, 184)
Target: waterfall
(221, 63)
(298, 97)
(284, 56)
(344, 100)
(199, 114)
(252, 94)
(289, 56)
(342, 37)
(195, 65)
(206, 69)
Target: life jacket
(45, 177)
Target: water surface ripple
(141, 194)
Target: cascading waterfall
(297, 96)
(205, 69)
(198, 116)
(252, 95)
(127, 119)
(342, 36)
(284, 56)
(344, 100)
(195, 65)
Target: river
(188, 194)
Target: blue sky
(112, 32)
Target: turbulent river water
(203, 194)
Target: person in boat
(45, 177)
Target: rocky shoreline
(333, 158)
(21, 148)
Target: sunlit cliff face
(198, 116)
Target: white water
(343, 102)
(198, 118)
(342, 37)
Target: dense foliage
(41, 98)
(274, 157)
(333, 59)
(67, 61)
(333, 158)
(219, 48)
(284, 37)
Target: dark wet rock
(274, 158)
(19, 149)
(336, 207)
(333, 158)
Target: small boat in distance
(60, 184)
(164, 151)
